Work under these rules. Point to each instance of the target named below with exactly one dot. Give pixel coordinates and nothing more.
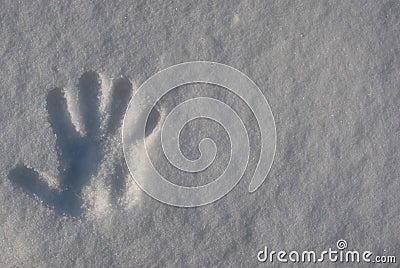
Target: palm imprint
(79, 155)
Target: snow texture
(330, 72)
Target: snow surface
(329, 69)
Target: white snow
(329, 70)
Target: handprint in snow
(79, 155)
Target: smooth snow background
(329, 69)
